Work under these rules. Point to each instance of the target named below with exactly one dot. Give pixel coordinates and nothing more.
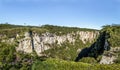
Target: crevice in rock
(32, 41)
(97, 48)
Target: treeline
(8, 26)
(12, 30)
(60, 30)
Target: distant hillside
(32, 47)
(9, 29)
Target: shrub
(88, 60)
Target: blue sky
(73, 13)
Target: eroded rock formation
(41, 41)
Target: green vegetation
(64, 30)
(57, 64)
(12, 60)
(114, 31)
(6, 54)
(8, 26)
(66, 51)
(10, 31)
(118, 58)
(88, 60)
(59, 57)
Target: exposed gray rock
(78, 50)
(110, 56)
(87, 36)
(9, 41)
(40, 41)
(25, 44)
(108, 59)
(115, 49)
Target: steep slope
(107, 46)
(113, 55)
(64, 42)
(57, 39)
(24, 47)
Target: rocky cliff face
(42, 42)
(110, 56)
(64, 42)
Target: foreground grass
(55, 64)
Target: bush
(88, 60)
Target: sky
(73, 13)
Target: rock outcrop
(41, 41)
(108, 59)
(110, 56)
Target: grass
(57, 64)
